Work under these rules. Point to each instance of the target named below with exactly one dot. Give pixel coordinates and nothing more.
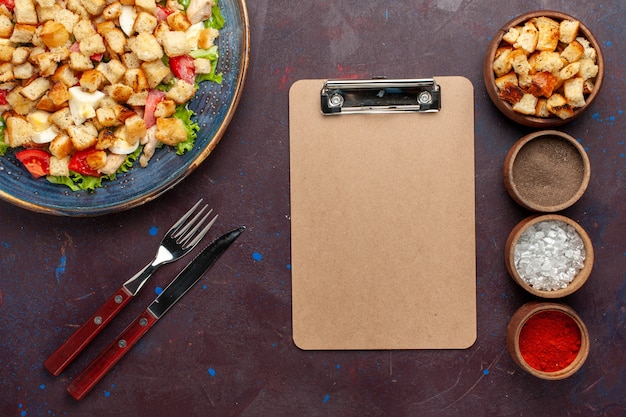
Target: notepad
(383, 252)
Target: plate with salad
(106, 104)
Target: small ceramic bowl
(546, 171)
(524, 281)
(566, 317)
(490, 77)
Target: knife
(192, 273)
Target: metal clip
(380, 95)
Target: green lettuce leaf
(191, 127)
(216, 21)
(3, 145)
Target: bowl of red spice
(549, 255)
(546, 171)
(548, 340)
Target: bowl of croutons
(543, 69)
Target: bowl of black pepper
(546, 171)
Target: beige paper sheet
(382, 216)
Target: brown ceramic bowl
(521, 317)
(577, 282)
(546, 171)
(490, 78)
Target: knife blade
(183, 282)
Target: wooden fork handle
(66, 353)
(88, 379)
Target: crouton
(66, 75)
(519, 62)
(511, 93)
(528, 37)
(92, 80)
(59, 94)
(6, 53)
(6, 27)
(155, 72)
(62, 118)
(18, 132)
(175, 44)
(181, 92)
(568, 30)
(106, 138)
(138, 98)
(587, 69)
(84, 136)
(79, 62)
(96, 160)
(511, 35)
(115, 40)
(558, 105)
(165, 108)
(136, 79)
(569, 71)
(541, 110)
(574, 92)
(112, 11)
(548, 38)
(543, 84)
(92, 45)
(548, 61)
(20, 104)
(178, 21)
(161, 29)
(61, 146)
(526, 105)
(22, 33)
(47, 64)
(77, 7)
(206, 37)
(144, 22)
(20, 55)
(146, 47)
(36, 88)
(202, 66)
(108, 116)
(510, 78)
(24, 71)
(135, 129)
(25, 13)
(147, 5)
(59, 167)
(113, 70)
(590, 52)
(119, 92)
(573, 52)
(83, 29)
(67, 18)
(130, 60)
(54, 34)
(93, 7)
(502, 63)
(170, 131)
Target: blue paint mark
(42, 386)
(486, 372)
(338, 366)
(60, 270)
(211, 372)
(257, 256)
(204, 287)
(5, 244)
(153, 231)
(608, 43)
(158, 290)
(288, 266)
(107, 394)
(326, 398)
(23, 413)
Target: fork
(179, 240)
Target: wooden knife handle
(88, 379)
(85, 333)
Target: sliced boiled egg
(39, 120)
(127, 19)
(83, 104)
(122, 147)
(45, 136)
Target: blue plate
(214, 105)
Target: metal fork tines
(180, 239)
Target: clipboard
(383, 252)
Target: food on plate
(545, 68)
(88, 87)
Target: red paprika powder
(549, 341)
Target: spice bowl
(546, 171)
(547, 340)
(523, 75)
(549, 255)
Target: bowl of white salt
(550, 255)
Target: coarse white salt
(549, 255)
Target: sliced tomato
(79, 163)
(9, 3)
(36, 161)
(3, 97)
(183, 68)
(154, 98)
(97, 57)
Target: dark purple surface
(226, 349)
